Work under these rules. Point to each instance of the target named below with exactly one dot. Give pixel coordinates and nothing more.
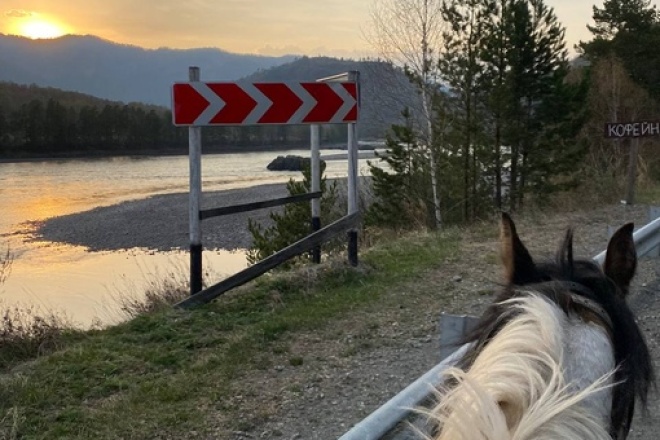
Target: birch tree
(409, 33)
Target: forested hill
(45, 121)
(13, 96)
(385, 90)
(48, 122)
(308, 69)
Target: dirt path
(353, 366)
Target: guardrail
(647, 239)
(381, 424)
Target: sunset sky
(269, 27)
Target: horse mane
(517, 380)
(634, 371)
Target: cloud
(18, 13)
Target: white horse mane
(522, 386)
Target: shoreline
(176, 151)
(141, 154)
(160, 222)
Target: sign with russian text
(619, 130)
(201, 104)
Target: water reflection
(86, 286)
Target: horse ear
(518, 264)
(565, 255)
(621, 258)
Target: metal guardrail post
(452, 329)
(654, 213)
(379, 422)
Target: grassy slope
(164, 374)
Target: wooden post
(295, 249)
(632, 171)
(353, 179)
(195, 161)
(315, 143)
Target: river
(84, 285)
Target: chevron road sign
(202, 104)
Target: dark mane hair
(557, 280)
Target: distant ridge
(119, 72)
(129, 74)
(385, 90)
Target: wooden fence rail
(215, 212)
(304, 245)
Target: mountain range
(118, 72)
(107, 70)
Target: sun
(38, 28)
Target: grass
(162, 374)
(27, 332)
(648, 194)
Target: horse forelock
(515, 389)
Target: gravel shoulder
(352, 366)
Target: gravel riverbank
(160, 222)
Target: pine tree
(630, 31)
(294, 222)
(494, 56)
(558, 154)
(538, 60)
(400, 195)
(618, 16)
(462, 68)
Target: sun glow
(37, 28)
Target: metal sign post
(196, 104)
(352, 77)
(315, 159)
(352, 192)
(632, 171)
(195, 158)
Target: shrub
(401, 199)
(26, 334)
(5, 265)
(163, 290)
(294, 221)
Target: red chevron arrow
(238, 104)
(327, 102)
(188, 104)
(285, 103)
(200, 104)
(352, 115)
